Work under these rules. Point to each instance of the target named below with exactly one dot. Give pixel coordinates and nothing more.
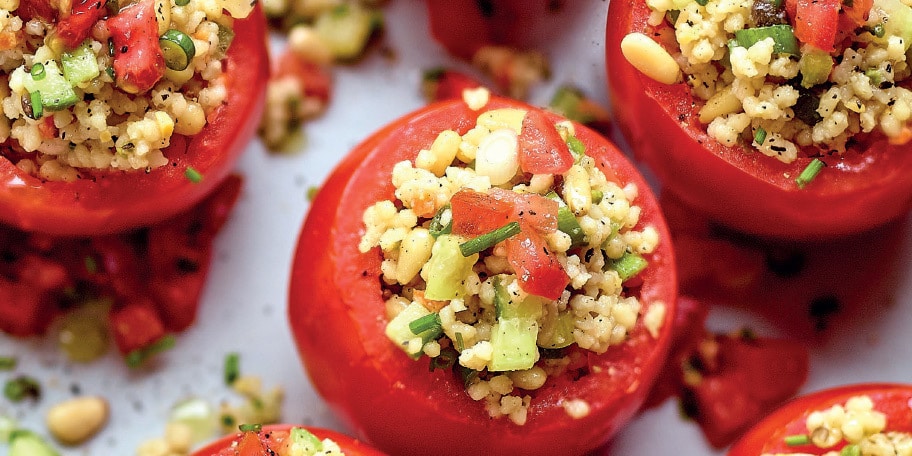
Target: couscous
(508, 267)
(106, 85)
(786, 79)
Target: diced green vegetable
(232, 368)
(447, 269)
(250, 427)
(899, 22)
(198, 415)
(797, 439)
(810, 172)
(399, 331)
(26, 443)
(514, 335)
(193, 175)
(562, 331)
(84, 335)
(80, 64)
(783, 36)
(566, 102)
(137, 357)
(177, 48)
(23, 387)
(490, 239)
(442, 222)
(427, 327)
(850, 450)
(304, 442)
(760, 136)
(56, 93)
(815, 67)
(346, 29)
(577, 148)
(8, 362)
(567, 222)
(628, 266)
(225, 37)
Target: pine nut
(650, 58)
(76, 420)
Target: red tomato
(107, 202)
(315, 80)
(336, 312)
(868, 186)
(768, 436)
(538, 271)
(476, 213)
(816, 22)
(443, 84)
(541, 149)
(75, 27)
(138, 59)
(271, 437)
(464, 26)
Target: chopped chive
(760, 136)
(702, 2)
(445, 360)
(232, 368)
(250, 427)
(193, 175)
(490, 239)
(181, 2)
(8, 362)
(468, 375)
(38, 72)
(428, 327)
(37, 106)
(797, 439)
(227, 420)
(810, 172)
(459, 343)
(850, 450)
(597, 196)
(137, 357)
(567, 222)
(629, 265)
(577, 148)
(442, 222)
(312, 192)
(21, 388)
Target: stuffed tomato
(482, 276)
(121, 115)
(863, 419)
(286, 440)
(788, 119)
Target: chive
(488, 240)
(629, 265)
(428, 327)
(137, 357)
(459, 343)
(797, 439)
(181, 2)
(810, 172)
(193, 175)
(577, 148)
(37, 106)
(597, 196)
(468, 375)
(21, 388)
(250, 427)
(110, 72)
(760, 136)
(312, 192)
(8, 362)
(177, 48)
(37, 71)
(850, 450)
(702, 2)
(445, 360)
(567, 222)
(442, 222)
(232, 368)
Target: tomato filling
(502, 245)
(297, 441)
(149, 280)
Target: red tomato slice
(138, 59)
(108, 202)
(476, 213)
(315, 79)
(136, 325)
(868, 186)
(541, 149)
(271, 437)
(768, 435)
(366, 379)
(816, 22)
(534, 211)
(75, 27)
(444, 84)
(537, 270)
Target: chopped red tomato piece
(531, 210)
(541, 148)
(476, 213)
(75, 28)
(537, 270)
(138, 59)
(444, 84)
(316, 82)
(816, 22)
(136, 325)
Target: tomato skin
(867, 187)
(222, 446)
(537, 270)
(541, 149)
(816, 22)
(476, 213)
(138, 59)
(75, 28)
(366, 380)
(768, 435)
(108, 202)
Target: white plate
(243, 308)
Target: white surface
(243, 308)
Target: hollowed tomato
(337, 315)
(113, 201)
(867, 186)
(769, 435)
(259, 443)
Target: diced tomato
(476, 213)
(31, 9)
(136, 325)
(22, 311)
(315, 80)
(541, 148)
(444, 84)
(531, 210)
(75, 28)
(250, 445)
(538, 271)
(816, 23)
(47, 128)
(138, 59)
(857, 10)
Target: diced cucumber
(303, 443)
(514, 336)
(628, 266)
(25, 443)
(398, 331)
(80, 64)
(562, 333)
(346, 29)
(447, 269)
(56, 92)
(899, 20)
(815, 66)
(783, 36)
(567, 222)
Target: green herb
(597, 196)
(37, 106)
(193, 175)
(232, 368)
(459, 343)
(137, 357)
(760, 136)
(810, 172)
(628, 266)
(577, 148)
(442, 222)
(8, 362)
(488, 240)
(22, 387)
(428, 327)
(312, 192)
(784, 41)
(445, 360)
(850, 450)
(796, 440)
(251, 427)
(37, 71)
(181, 2)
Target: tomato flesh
(75, 28)
(537, 270)
(816, 22)
(270, 440)
(138, 59)
(541, 149)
